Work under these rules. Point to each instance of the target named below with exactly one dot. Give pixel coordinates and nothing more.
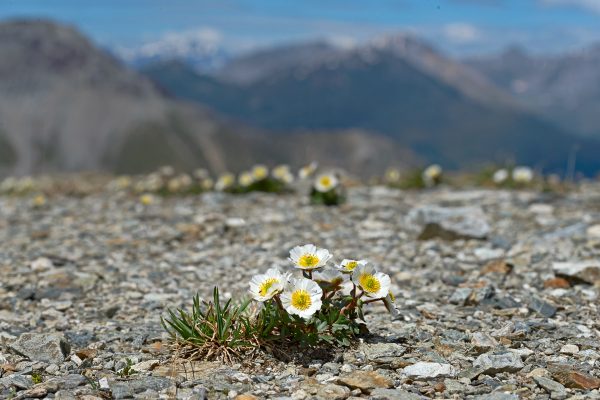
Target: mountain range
(67, 105)
(564, 89)
(454, 113)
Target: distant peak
(515, 51)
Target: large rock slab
(585, 271)
(450, 223)
(50, 348)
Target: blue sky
(456, 26)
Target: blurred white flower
(325, 182)
(283, 174)
(225, 182)
(245, 179)
(392, 175)
(500, 176)
(260, 172)
(432, 175)
(522, 174)
(308, 170)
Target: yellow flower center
(308, 261)
(351, 265)
(369, 283)
(267, 285)
(325, 181)
(301, 300)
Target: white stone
(429, 370)
(103, 382)
(594, 231)
(235, 222)
(42, 264)
(75, 358)
(484, 254)
(569, 349)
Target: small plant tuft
(212, 330)
(322, 307)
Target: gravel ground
(497, 293)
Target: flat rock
(145, 365)
(575, 379)
(450, 223)
(586, 271)
(542, 307)
(366, 381)
(16, 381)
(127, 389)
(483, 341)
(383, 353)
(498, 396)
(393, 394)
(333, 392)
(426, 370)
(556, 390)
(50, 348)
(494, 363)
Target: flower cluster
(325, 301)
(258, 178)
(414, 179)
(519, 176)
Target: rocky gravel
(497, 293)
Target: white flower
(308, 170)
(166, 171)
(245, 179)
(330, 276)
(302, 297)
(265, 286)
(500, 176)
(432, 175)
(283, 173)
(225, 182)
(325, 182)
(522, 174)
(260, 172)
(348, 266)
(375, 284)
(206, 184)
(288, 178)
(309, 257)
(173, 185)
(201, 174)
(392, 175)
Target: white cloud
(590, 5)
(461, 33)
